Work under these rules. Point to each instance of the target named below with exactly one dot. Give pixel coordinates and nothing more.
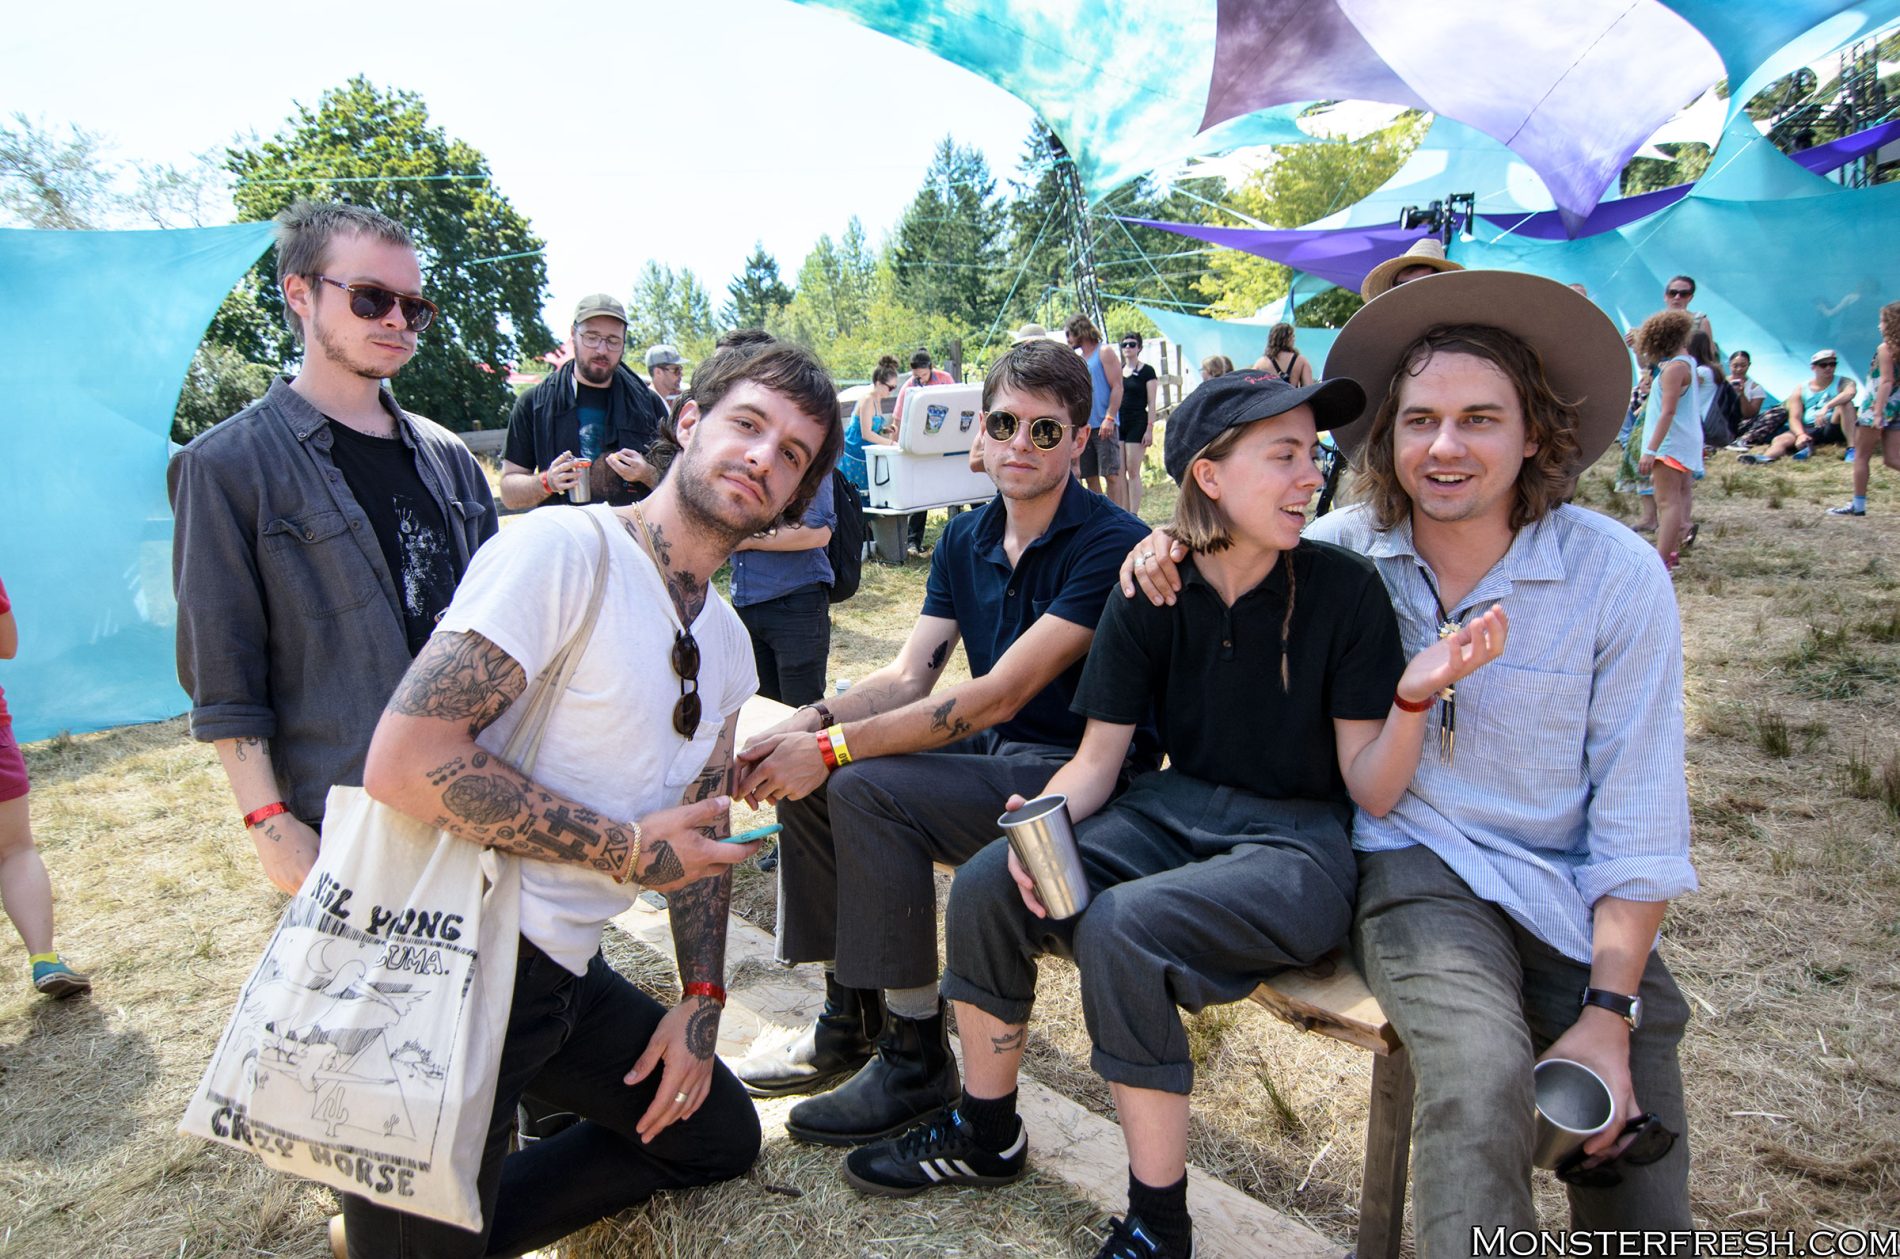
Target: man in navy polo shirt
(891, 778)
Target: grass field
(1792, 634)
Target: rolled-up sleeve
(223, 629)
(1637, 822)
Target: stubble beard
(700, 504)
(336, 352)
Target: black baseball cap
(1245, 396)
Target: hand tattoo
(664, 865)
(460, 676)
(702, 1029)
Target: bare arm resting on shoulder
(424, 761)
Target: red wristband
(546, 485)
(1407, 706)
(825, 750)
(712, 992)
(264, 814)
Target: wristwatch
(1630, 1009)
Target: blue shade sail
(1125, 90)
(1242, 342)
(100, 328)
(1761, 40)
(1452, 158)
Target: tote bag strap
(525, 743)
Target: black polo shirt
(1212, 673)
(1068, 572)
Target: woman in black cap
(1283, 699)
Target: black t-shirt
(1212, 673)
(592, 403)
(1132, 420)
(381, 473)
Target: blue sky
(679, 132)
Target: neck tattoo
(687, 591)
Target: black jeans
(572, 1038)
(856, 885)
(791, 642)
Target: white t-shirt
(610, 742)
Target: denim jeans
(1476, 998)
(572, 1038)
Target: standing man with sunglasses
(320, 533)
(877, 784)
(592, 420)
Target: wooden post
(1388, 1155)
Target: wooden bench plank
(1330, 997)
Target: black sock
(1164, 1212)
(992, 1120)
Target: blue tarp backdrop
(99, 328)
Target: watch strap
(1624, 1007)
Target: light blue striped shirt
(1567, 782)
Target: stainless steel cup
(1043, 839)
(1573, 1105)
(582, 491)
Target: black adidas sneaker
(1130, 1239)
(941, 1152)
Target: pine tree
(757, 293)
(947, 253)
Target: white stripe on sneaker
(963, 1167)
(931, 1172)
(1022, 1139)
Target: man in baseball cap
(1509, 902)
(582, 434)
(665, 368)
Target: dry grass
(1788, 954)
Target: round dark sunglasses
(1045, 432)
(686, 664)
(372, 301)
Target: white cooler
(930, 465)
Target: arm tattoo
(487, 802)
(943, 722)
(698, 911)
(938, 656)
(460, 676)
(245, 747)
(1009, 1042)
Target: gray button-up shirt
(290, 626)
(1567, 782)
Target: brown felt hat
(1583, 354)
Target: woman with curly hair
(1670, 439)
(1878, 428)
(1283, 360)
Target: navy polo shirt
(1068, 572)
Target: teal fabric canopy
(100, 328)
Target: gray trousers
(1198, 892)
(1477, 998)
(855, 879)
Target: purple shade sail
(1823, 159)
(1340, 255)
(1607, 217)
(1574, 89)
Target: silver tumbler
(1043, 839)
(582, 491)
(1573, 1105)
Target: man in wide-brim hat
(1509, 903)
(1425, 257)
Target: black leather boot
(913, 1076)
(831, 1049)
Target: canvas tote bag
(365, 1045)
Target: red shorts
(12, 765)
